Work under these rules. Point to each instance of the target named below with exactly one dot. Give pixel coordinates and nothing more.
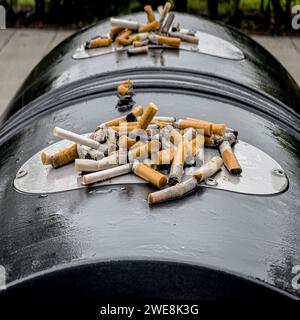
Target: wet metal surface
(208, 44)
(261, 174)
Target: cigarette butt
(229, 158)
(170, 41)
(112, 146)
(147, 116)
(74, 137)
(98, 42)
(144, 150)
(154, 177)
(199, 125)
(193, 148)
(167, 7)
(176, 26)
(217, 128)
(108, 162)
(60, 158)
(139, 50)
(208, 169)
(141, 43)
(106, 174)
(89, 153)
(114, 31)
(125, 24)
(176, 171)
(126, 142)
(175, 192)
(167, 25)
(150, 14)
(123, 129)
(164, 156)
(125, 87)
(86, 165)
(122, 39)
(137, 111)
(160, 10)
(175, 137)
(185, 37)
(151, 26)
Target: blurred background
(267, 16)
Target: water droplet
(43, 196)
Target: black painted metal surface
(256, 237)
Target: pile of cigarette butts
(155, 148)
(164, 31)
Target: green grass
(26, 3)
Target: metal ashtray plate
(208, 44)
(261, 174)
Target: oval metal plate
(261, 174)
(208, 44)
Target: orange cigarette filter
(209, 141)
(170, 41)
(195, 145)
(175, 137)
(60, 158)
(137, 111)
(150, 14)
(100, 42)
(125, 87)
(229, 158)
(114, 31)
(206, 127)
(123, 129)
(151, 26)
(154, 177)
(147, 116)
(126, 142)
(166, 156)
(217, 128)
(145, 149)
(122, 38)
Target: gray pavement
(22, 49)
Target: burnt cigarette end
(236, 171)
(131, 117)
(172, 181)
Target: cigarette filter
(147, 116)
(208, 169)
(126, 142)
(166, 9)
(229, 158)
(60, 158)
(164, 156)
(139, 50)
(170, 41)
(98, 42)
(106, 174)
(142, 43)
(183, 124)
(151, 26)
(137, 111)
(185, 37)
(123, 129)
(150, 14)
(175, 192)
(176, 171)
(125, 87)
(110, 161)
(209, 141)
(176, 27)
(144, 150)
(175, 137)
(86, 165)
(122, 39)
(114, 31)
(74, 137)
(217, 128)
(154, 177)
(125, 24)
(99, 135)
